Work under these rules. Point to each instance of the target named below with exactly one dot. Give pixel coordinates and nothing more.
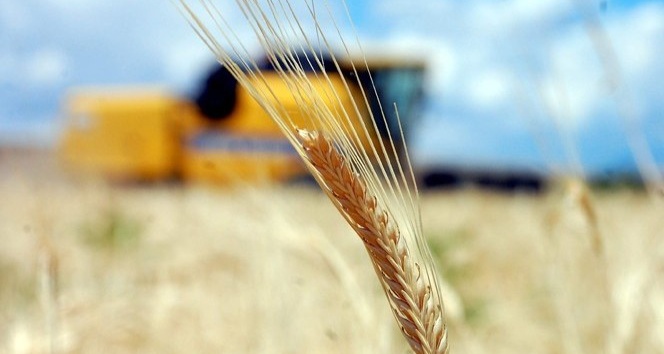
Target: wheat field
(92, 267)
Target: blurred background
(146, 205)
(509, 84)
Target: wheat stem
(413, 302)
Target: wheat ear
(364, 176)
(410, 296)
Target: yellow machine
(223, 136)
(122, 133)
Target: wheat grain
(415, 308)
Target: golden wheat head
(365, 177)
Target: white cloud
(496, 47)
(638, 42)
(490, 89)
(444, 65)
(185, 61)
(578, 69)
(573, 80)
(407, 10)
(45, 67)
(505, 16)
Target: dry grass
(200, 274)
(276, 270)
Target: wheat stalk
(364, 177)
(411, 297)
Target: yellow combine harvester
(222, 136)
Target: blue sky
(509, 81)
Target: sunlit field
(92, 267)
